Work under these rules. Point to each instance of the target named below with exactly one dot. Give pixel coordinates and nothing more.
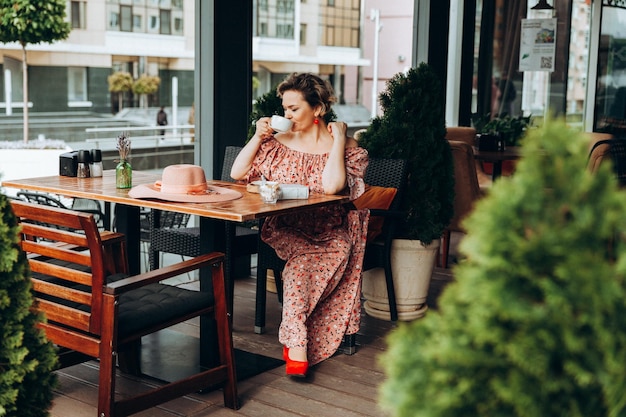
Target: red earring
(316, 121)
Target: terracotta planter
(412, 265)
(508, 167)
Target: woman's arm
(243, 162)
(334, 176)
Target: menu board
(537, 45)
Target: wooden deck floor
(341, 386)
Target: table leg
(127, 222)
(497, 170)
(212, 239)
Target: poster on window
(537, 45)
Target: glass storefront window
(610, 101)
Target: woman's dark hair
(315, 90)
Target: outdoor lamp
(542, 5)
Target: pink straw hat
(184, 183)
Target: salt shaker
(82, 170)
(96, 163)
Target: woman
(323, 247)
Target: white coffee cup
(280, 123)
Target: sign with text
(537, 45)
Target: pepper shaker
(82, 170)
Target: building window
(137, 23)
(126, 18)
(340, 25)
(284, 6)
(303, 34)
(275, 19)
(165, 16)
(77, 12)
(331, 3)
(76, 84)
(284, 31)
(178, 26)
(154, 24)
(114, 20)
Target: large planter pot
(412, 266)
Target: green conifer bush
(27, 358)
(413, 127)
(535, 322)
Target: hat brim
(214, 194)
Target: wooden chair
(613, 150)
(94, 310)
(390, 173)
(468, 135)
(466, 192)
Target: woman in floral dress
(323, 247)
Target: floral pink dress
(323, 248)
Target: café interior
(475, 47)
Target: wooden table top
(249, 207)
(509, 154)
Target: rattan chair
(78, 204)
(380, 172)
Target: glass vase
(123, 174)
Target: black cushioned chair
(380, 172)
(240, 240)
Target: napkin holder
(293, 192)
(68, 164)
(490, 143)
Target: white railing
(182, 133)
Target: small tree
(535, 322)
(120, 82)
(413, 127)
(145, 85)
(32, 22)
(27, 359)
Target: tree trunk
(25, 92)
(120, 100)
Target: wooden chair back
(466, 192)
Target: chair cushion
(157, 303)
(375, 197)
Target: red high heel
(295, 368)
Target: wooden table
(511, 153)
(249, 207)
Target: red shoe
(295, 368)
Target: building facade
(156, 37)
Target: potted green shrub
(511, 129)
(27, 358)
(412, 127)
(535, 322)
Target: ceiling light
(542, 5)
